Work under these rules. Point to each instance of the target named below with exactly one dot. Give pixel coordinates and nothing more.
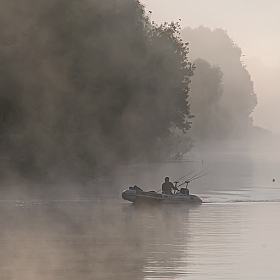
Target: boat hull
(137, 196)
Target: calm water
(234, 234)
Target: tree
(162, 103)
(96, 84)
(238, 99)
(205, 96)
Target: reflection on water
(233, 235)
(70, 240)
(113, 240)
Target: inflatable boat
(137, 195)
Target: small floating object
(273, 180)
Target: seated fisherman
(167, 186)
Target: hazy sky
(254, 25)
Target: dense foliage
(205, 96)
(227, 100)
(85, 84)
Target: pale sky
(254, 25)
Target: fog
(89, 86)
(266, 84)
(253, 26)
(97, 96)
(85, 87)
(229, 91)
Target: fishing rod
(177, 181)
(198, 177)
(196, 174)
(189, 180)
(192, 179)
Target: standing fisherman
(167, 186)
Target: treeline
(87, 84)
(222, 95)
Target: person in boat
(167, 186)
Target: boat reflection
(163, 237)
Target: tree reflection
(91, 240)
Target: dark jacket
(167, 187)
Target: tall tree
(205, 96)
(238, 99)
(94, 83)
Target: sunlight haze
(253, 25)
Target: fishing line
(192, 179)
(197, 177)
(196, 174)
(183, 177)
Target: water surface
(234, 234)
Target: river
(234, 234)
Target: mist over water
(232, 235)
(94, 98)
